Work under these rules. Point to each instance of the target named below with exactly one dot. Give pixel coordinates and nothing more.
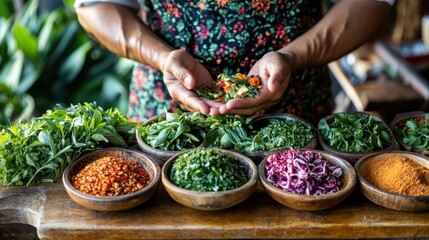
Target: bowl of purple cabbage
(307, 179)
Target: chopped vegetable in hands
(228, 87)
(303, 172)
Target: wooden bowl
(398, 121)
(212, 201)
(161, 156)
(112, 203)
(314, 202)
(388, 199)
(260, 121)
(353, 157)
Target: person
(183, 45)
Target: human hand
(275, 72)
(182, 73)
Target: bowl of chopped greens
(209, 179)
(307, 179)
(354, 135)
(275, 132)
(163, 136)
(411, 131)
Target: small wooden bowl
(161, 156)
(353, 157)
(388, 199)
(316, 202)
(399, 120)
(260, 121)
(114, 203)
(212, 201)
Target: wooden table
(56, 216)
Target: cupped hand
(182, 73)
(275, 72)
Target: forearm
(120, 30)
(344, 28)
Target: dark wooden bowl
(260, 121)
(316, 202)
(353, 157)
(399, 120)
(388, 199)
(212, 201)
(114, 203)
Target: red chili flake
(109, 176)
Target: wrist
(291, 59)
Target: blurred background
(46, 58)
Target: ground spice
(109, 176)
(397, 174)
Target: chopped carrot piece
(254, 81)
(240, 76)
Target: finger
(189, 100)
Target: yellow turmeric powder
(397, 174)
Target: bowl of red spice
(398, 180)
(307, 179)
(112, 179)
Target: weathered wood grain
(56, 216)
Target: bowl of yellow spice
(398, 180)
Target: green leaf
(25, 41)
(74, 63)
(29, 161)
(12, 72)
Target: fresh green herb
(178, 131)
(228, 132)
(355, 132)
(281, 134)
(415, 132)
(207, 169)
(39, 149)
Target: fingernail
(188, 82)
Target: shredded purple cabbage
(303, 172)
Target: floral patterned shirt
(229, 36)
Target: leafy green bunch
(39, 149)
(355, 132)
(415, 132)
(178, 131)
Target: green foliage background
(47, 58)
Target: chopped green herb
(207, 169)
(282, 134)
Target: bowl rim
(344, 190)
(69, 187)
(393, 145)
(379, 190)
(253, 179)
